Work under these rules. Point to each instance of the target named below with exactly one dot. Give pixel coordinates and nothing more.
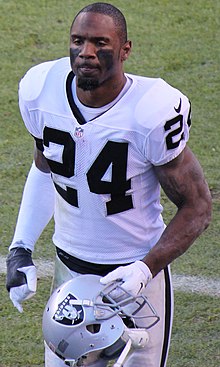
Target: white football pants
(160, 294)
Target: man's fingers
(18, 306)
(31, 276)
(20, 294)
(112, 276)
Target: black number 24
(114, 154)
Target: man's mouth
(87, 68)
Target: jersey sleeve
(169, 137)
(28, 117)
(29, 92)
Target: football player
(106, 141)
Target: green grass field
(175, 40)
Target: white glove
(135, 277)
(20, 293)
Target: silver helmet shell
(71, 324)
(81, 318)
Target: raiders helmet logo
(68, 313)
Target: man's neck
(102, 95)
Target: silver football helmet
(82, 322)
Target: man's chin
(87, 84)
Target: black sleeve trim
(39, 143)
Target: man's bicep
(182, 179)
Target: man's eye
(101, 43)
(77, 41)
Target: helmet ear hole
(93, 328)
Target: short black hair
(111, 11)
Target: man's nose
(88, 50)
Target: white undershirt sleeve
(36, 209)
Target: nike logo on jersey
(179, 107)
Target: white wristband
(36, 210)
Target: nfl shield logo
(78, 132)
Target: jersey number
(171, 142)
(114, 155)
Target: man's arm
(183, 182)
(37, 205)
(36, 210)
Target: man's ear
(126, 50)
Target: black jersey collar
(76, 112)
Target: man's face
(95, 50)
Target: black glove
(17, 258)
(21, 279)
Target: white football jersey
(107, 195)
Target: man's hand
(21, 276)
(135, 277)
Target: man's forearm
(37, 208)
(182, 231)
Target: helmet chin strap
(136, 338)
(123, 354)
